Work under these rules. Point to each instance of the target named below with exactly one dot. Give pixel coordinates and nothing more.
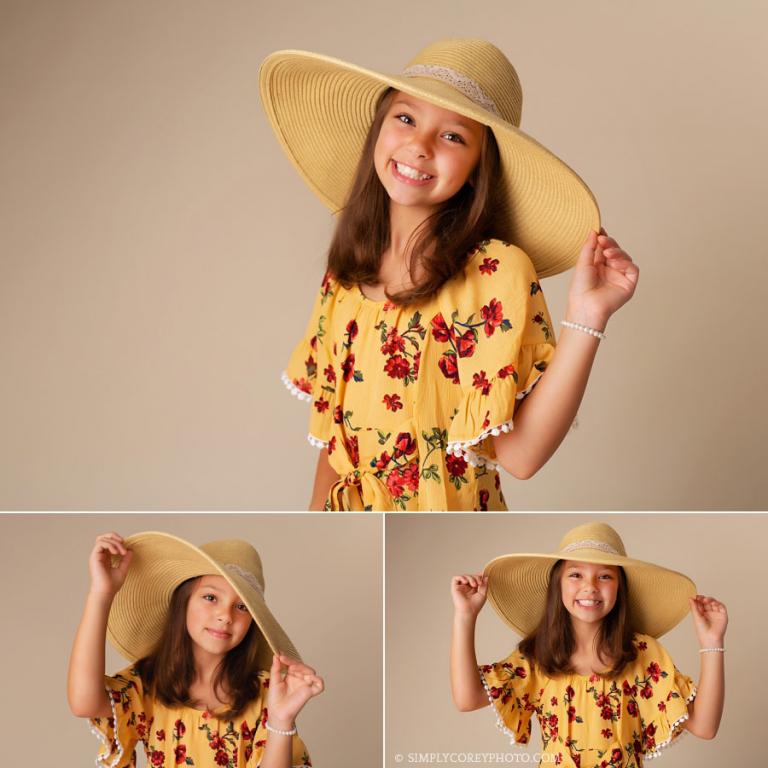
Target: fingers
(295, 667)
(111, 542)
(469, 580)
(705, 603)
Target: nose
(419, 145)
(224, 615)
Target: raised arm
(705, 711)
(468, 593)
(85, 682)
(604, 279)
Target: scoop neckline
(367, 298)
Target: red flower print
(571, 713)
(249, 752)
(493, 315)
(497, 482)
(654, 670)
(382, 461)
(615, 755)
(483, 499)
(662, 706)
(348, 367)
(447, 364)
(520, 672)
(395, 484)
(404, 444)
(629, 690)
(221, 757)
(602, 700)
(330, 374)
(392, 402)
(606, 733)
(606, 713)
(632, 707)
(396, 367)
(416, 363)
(353, 449)
(338, 415)
(303, 385)
(495, 692)
(440, 331)
(507, 370)
(180, 754)
(576, 760)
(479, 381)
(157, 757)
(466, 343)
(179, 729)
(141, 730)
(569, 692)
(388, 305)
(394, 343)
(322, 405)
(411, 477)
(160, 735)
(456, 465)
(332, 445)
(553, 701)
(558, 758)
(216, 741)
(351, 331)
(647, 692)
(642, 645)
(245, 731)
(489, 266)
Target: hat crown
(596, 536)
(237, 556)
(487, 69)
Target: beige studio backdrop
(159, 255)
(723, 554)
(323, 576)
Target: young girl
(430, 327)
(215, 681)
(604, 690)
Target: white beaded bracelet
(278, 731)
(707, 650)
(584, 328)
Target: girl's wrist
(591, 318)
(282, 723)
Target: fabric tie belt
(358, 491)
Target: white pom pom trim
(499, 722)
(293, 389)
(101, 761)
(673, 737)
(316, 442)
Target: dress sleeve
(662, 697)
(309, 375)
(499, 339)
(512, 691)
(127, 725)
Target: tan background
(723, 554)
(323, 583)
(159, 255)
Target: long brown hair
(441, 244)
(552, 643)
(169, 671)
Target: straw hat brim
(160, 563)
(517, 589)
(321, 108)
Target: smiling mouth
(589, 603)
(216, 633)
(411, 174)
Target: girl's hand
(604, 279)
(710, 618)
(106, 579)
(469, 593)
(291, 685)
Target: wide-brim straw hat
(321, 109)
(517, 584)
(160, 563)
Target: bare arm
(706, 710)
(603, 281)
(86, 694)
(325, 477)
(468, 594)
(291, 685)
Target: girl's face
(217, 619)
(424, 154)
(589, 590)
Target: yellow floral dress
(593, 722)
(406, 400)
(181, 735)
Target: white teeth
(588, 602)
(411, 173)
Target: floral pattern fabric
(407, 400)
(593, 722)
(178, 735)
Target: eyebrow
(457, 121)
